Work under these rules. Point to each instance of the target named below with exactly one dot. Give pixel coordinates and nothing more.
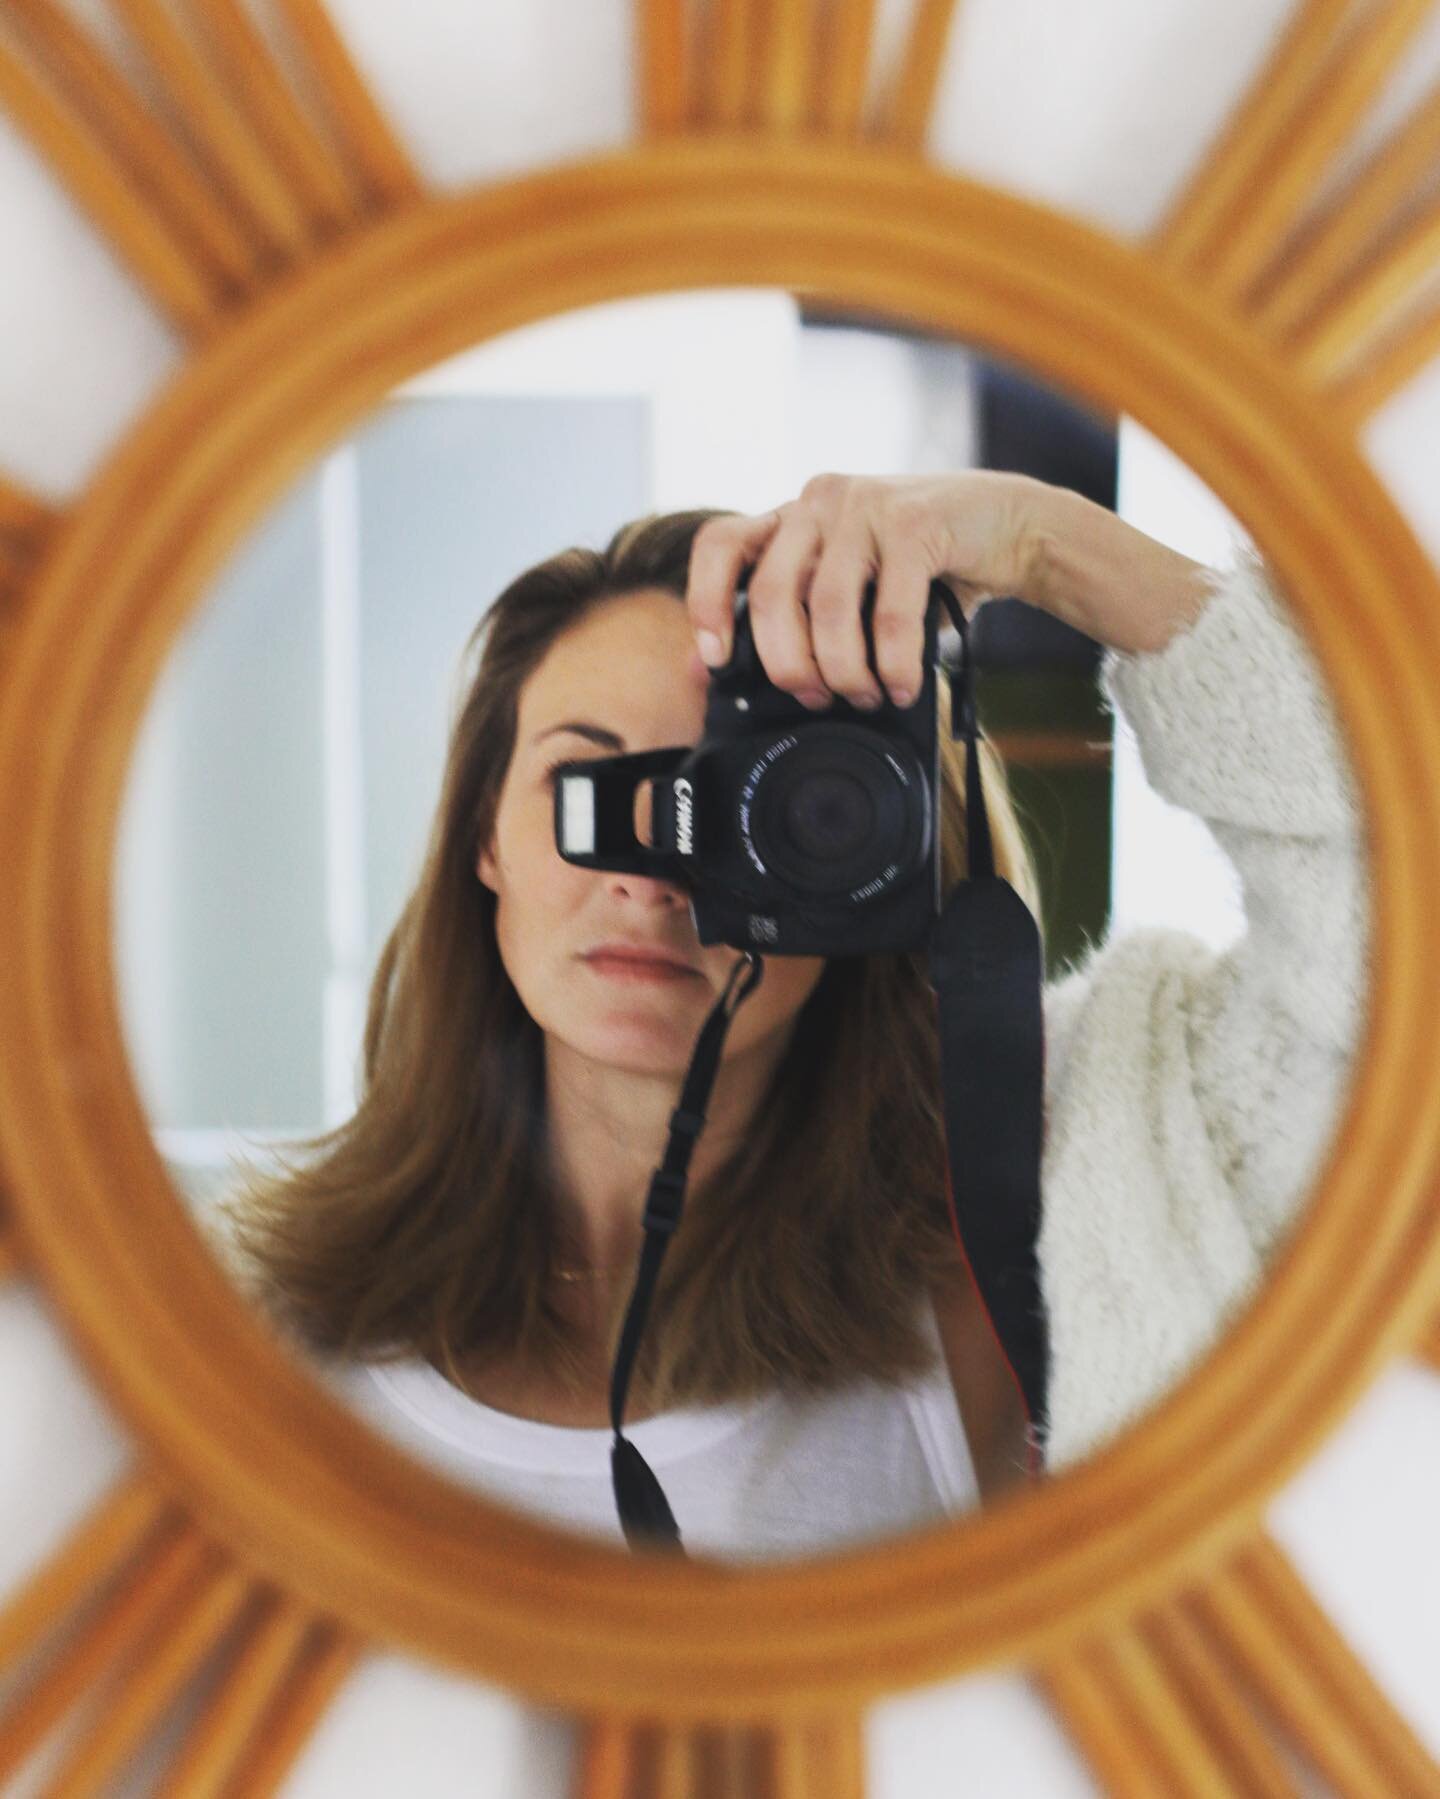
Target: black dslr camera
(797, 833)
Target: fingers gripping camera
(794, 833)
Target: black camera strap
(986, 967)
(645, 1514)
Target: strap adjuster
(689, 1124)
(662, 1208)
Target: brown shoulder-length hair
(421, 1224)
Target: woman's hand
(983, 532)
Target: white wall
(1099, 108)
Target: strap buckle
(662, 1207)
(689, 1124)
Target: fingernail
(869, 701)
(902, 696)
(712, 651)
(815, 698)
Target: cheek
(525, 839)
(538, 888)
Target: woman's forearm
(986, 531)
(1091, 569)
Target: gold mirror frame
(1141, 1582)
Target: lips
(639, 957)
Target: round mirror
(414, 1075)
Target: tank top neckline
(482, 1432)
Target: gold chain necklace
(588, 1274)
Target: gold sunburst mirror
(255, 189)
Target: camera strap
(645, 1514)
(986, 967)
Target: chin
(659, 1049)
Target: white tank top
(782, 1475)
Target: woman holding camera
(817, 1367)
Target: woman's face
(629, 669)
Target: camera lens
(835, 812)
(828, 814)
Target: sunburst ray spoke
(1361, 313)
(1258, 231)
(24, 516)
(316, 1672)
(14, 563)
(662, 65)
(843, 68)
(1104, 1728)
(157, 166)
(101, 1643)
(906, 115)
(605, 1764)
(806, 1759)
(1261, 1617)
(11, 597)
(785, 90)
(1197, 224)
(1429, 1345)
(134, 1514)
(388, 175)
(1370, 380)
(731, 49)
(1222, 1708)
(181, 1636)
(221, 133)
(176, 274)
(317, 175)
(821, 1758)
(1333, 247)
(12, 1262)
(265, 1653)
(26, 524)
(790, 66)
(1138, 1723)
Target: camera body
(795, 833)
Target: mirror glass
(417, 1117)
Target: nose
(648, 891)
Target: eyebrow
(594, 733)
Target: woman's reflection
(817, 1368)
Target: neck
(608, 1127)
